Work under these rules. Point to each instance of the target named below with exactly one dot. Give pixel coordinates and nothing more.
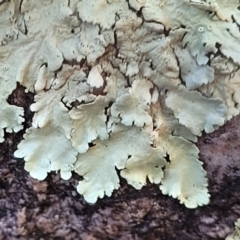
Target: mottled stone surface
(52, 209)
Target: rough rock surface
(52, 209)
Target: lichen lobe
(120, 84)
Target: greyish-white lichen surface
(236, 234)
(126, 84)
